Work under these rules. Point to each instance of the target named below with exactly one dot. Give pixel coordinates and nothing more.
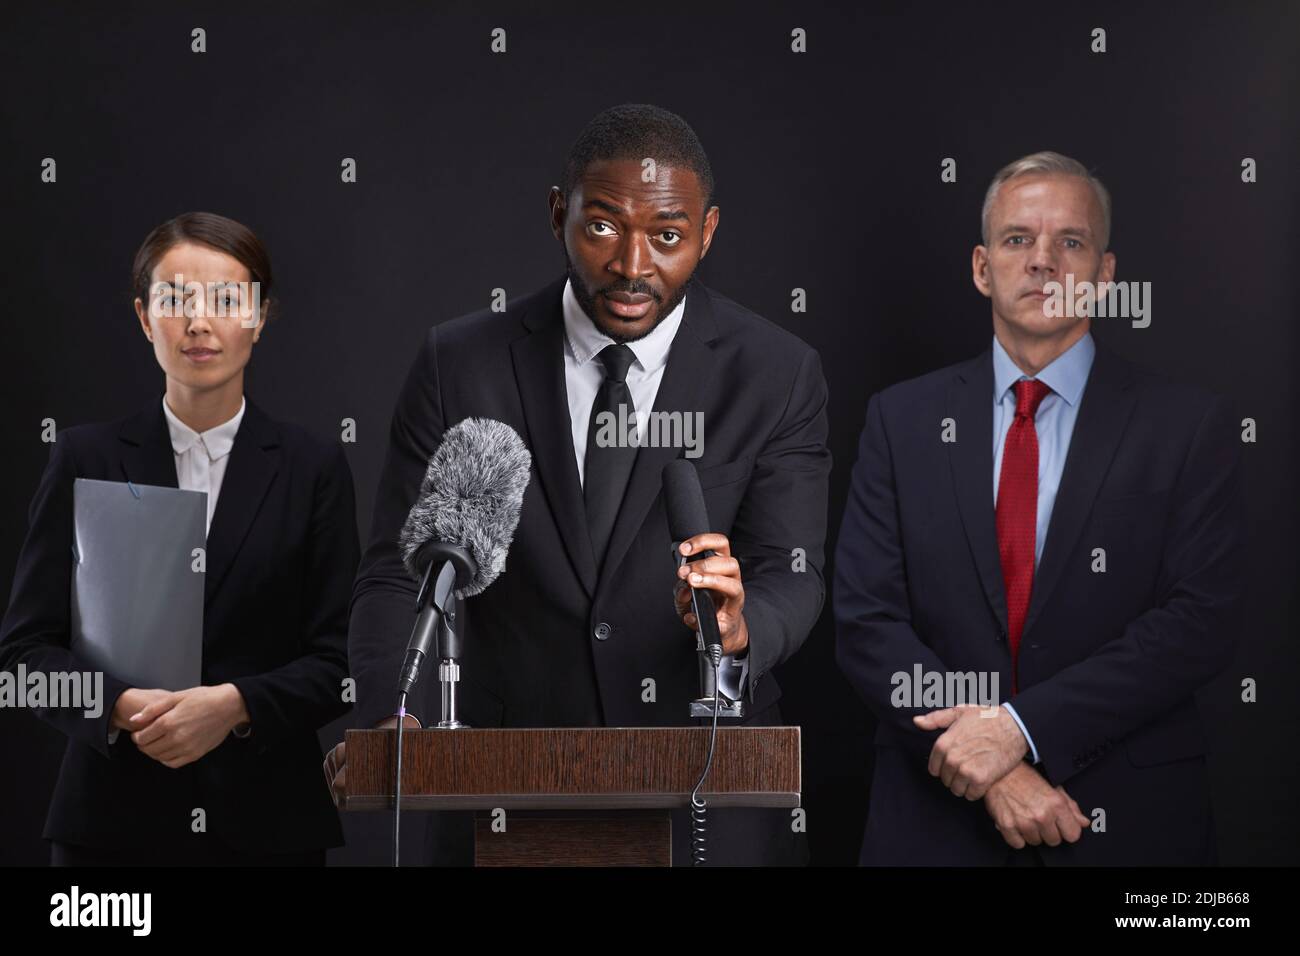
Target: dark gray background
(827, 166)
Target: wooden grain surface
(592, 767)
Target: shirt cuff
(1023, 729)
(113, 735)
(734, 685)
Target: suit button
(602, 631)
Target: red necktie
(1017, 511)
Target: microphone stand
(447, 567)
(435, 608)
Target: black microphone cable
(699, 809)
(397, 784)
(411, 673)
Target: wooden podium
(573, 796)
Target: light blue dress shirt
(1066, 376)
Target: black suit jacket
(281, 555)
(1108, 661)
(557, 641)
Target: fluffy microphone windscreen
(470, 496)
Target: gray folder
(137, 598)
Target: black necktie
(608, 464)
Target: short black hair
(635, 131)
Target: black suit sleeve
(784, 509)
(1165, 654)
(37, 626)
(383, 599)
(873, 616)
(307, 693)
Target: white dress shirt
(583, 375)
(201, 457)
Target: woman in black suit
(226, 772)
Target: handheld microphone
(459, 530)
(687, 517)
(454, 542)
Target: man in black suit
(584, 612)
(1048, 515)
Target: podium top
(573, 768)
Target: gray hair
(1051, 163)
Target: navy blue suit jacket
(1108, 661)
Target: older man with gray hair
(1049, 515)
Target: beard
(587, 299)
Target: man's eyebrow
(607, 206)
(668, 214)
(1066, 231)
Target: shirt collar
(216, 441)
(586, 341)
(1066, 375)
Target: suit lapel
(690, 365)
(539, 370)
(253, 463)
(147, 457)
(970, 404)
(1103, 415)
